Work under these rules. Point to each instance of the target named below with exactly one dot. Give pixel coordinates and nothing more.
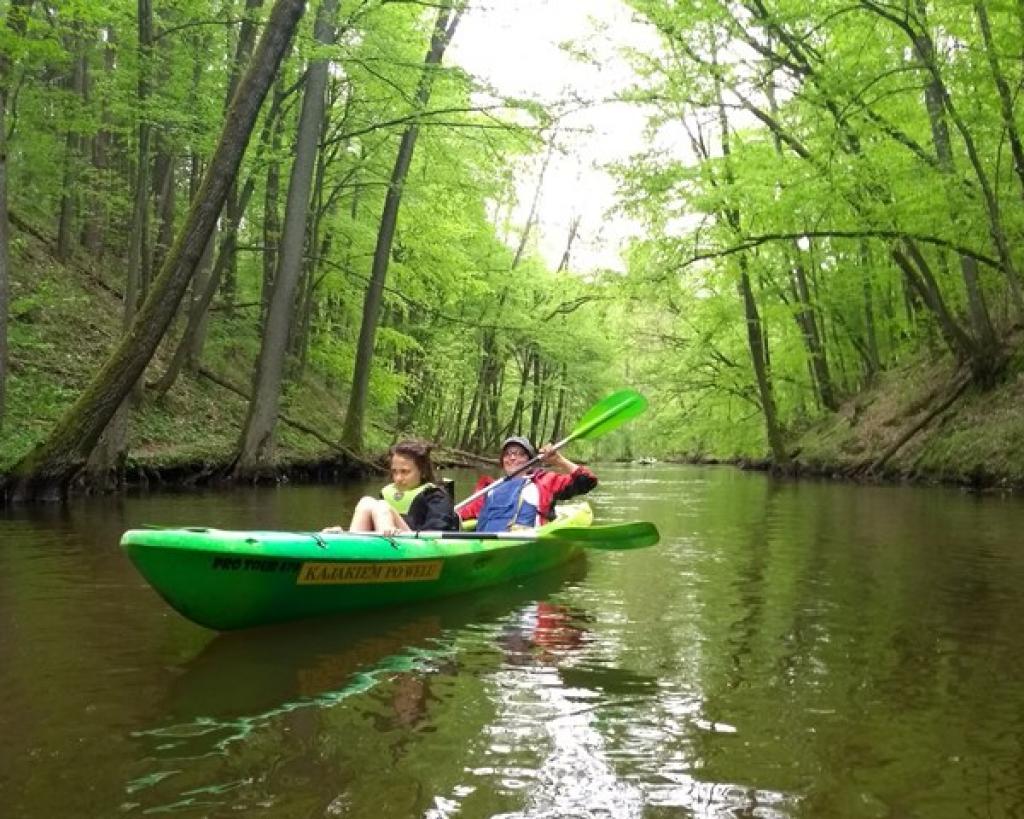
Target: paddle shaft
(608, 536)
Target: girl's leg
(386, 519)
(362, 517)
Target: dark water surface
(788, 650)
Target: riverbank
(923, 421)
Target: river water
(787, 650)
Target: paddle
(603, 417)
(609, 536)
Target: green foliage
(831, 160)
(457, 304)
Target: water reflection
(789, 649)
(285, 683)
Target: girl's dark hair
(419, 452)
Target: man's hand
(555, 460)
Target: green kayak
(238, 579)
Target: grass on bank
(65, 320)
(977, 440)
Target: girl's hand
(332, 530)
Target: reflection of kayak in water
(253, 672)
(227, 580)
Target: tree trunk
(536, 427)
(755, 335)
(464, 438)
(72, 152)
(921, 280)
(17, 18)
(136, 276)
(243, 48)
(256, 446)
(96, 216)
(318, 249)
(271, 216)
(531, 218)
(556, 425)
(47, 470)
(189, 352)
(515, 420)
(1005, 95)
(759, 359)
(164, 193)
(106, 461)
(352, 435)
(574, 227)
(806, 314)
(873, 360)
(5, 243)
(981, 323)
(807, 319)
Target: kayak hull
(226, 580)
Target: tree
(256, 448)
(444, 30)
(17, 16)
(48, 469)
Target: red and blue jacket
(551, 488)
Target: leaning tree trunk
(352, 435)
(48, 469)
(188, 353)
(256, 446)
(981, 323)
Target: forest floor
(65, 319)
(925, 421)
(922, 421)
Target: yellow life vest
(401, 499)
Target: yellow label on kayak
(313, 574)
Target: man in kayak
(527, 500)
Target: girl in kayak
(411, 502)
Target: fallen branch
(472, 456)
(220, 381)
(900, 442)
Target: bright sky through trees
(526, 47)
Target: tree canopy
(827, 189)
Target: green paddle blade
(608, 414)
(610, 536)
